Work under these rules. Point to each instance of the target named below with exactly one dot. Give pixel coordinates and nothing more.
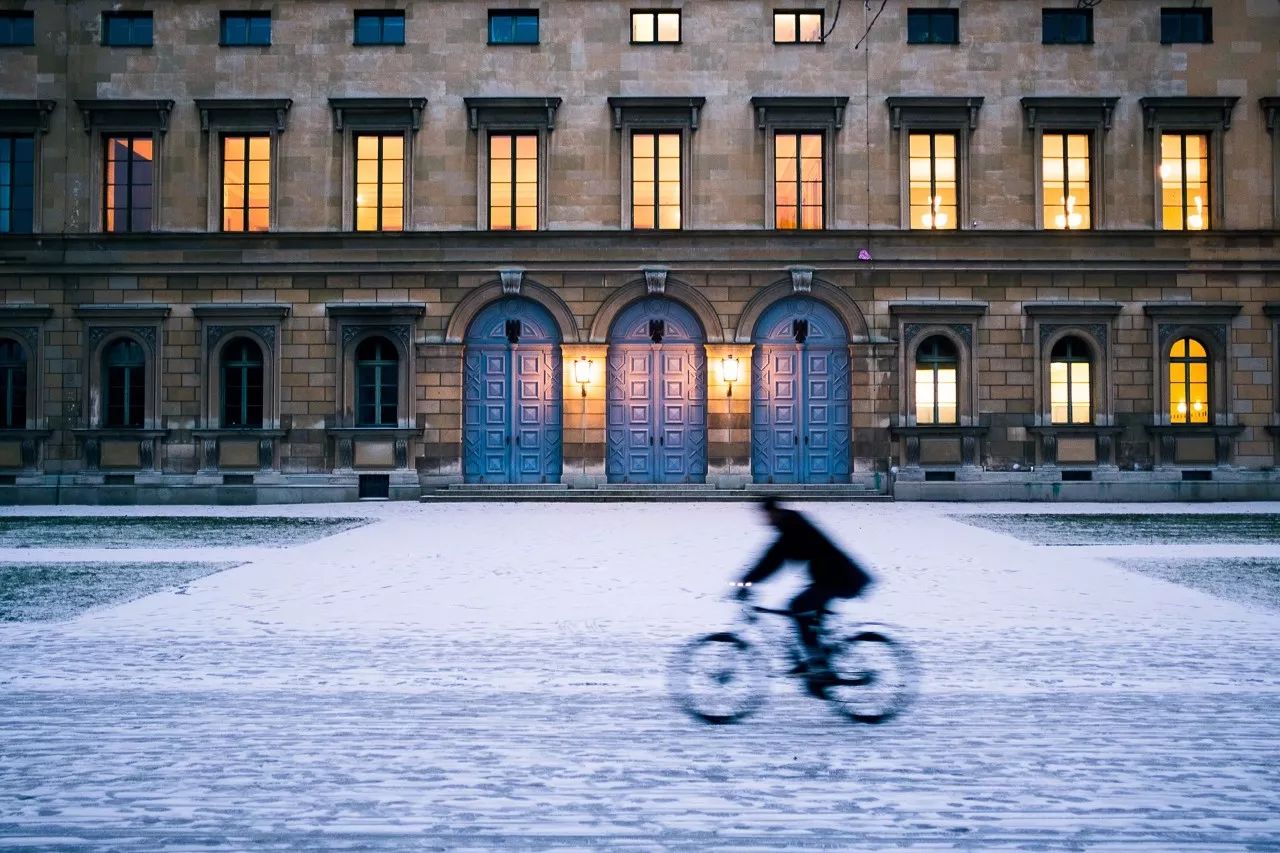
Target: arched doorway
(511, 395)
(800, 392)
(657, 395)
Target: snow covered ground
(469, 677)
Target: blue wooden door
(656, 413)
(800, 414)
(512, 405)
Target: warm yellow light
(1182, 408)
(936, 219)
(729, 369)
(1195, 221)
(582, 373)
(1070, 219)
(1167, 172)
(1196, 406)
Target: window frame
(133, 17)
(248, 16)
(247, 136)
(933, 133)
(657, 134)
(381, 365)
(1071, 115)
(1063, 14)
(105, 118)
(916, 360)
(803, 114)
(796, 15)
(220, 325)
(515, 15)
(1187, 360)
(1086, 357)
(106, 140)
(354, 185)
(354, 117)
(12, 16)
(503, 115)
(1181, 14)
(8, 387)
(656, 41)
(539, 170)
(245, 368)
(823, 157)
(934, 14)
(1208, 322)
(382, 16)
(1210, 116)
(1183, 191)
(956, 115)
(141, 377)
(1092, 146)
(355, 322)
(10, 140)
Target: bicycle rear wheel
(718, 678)
(872, 677)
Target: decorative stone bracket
(216, 449)
(29, 443)
(970, 438)
(350, 442)
(1104, 439)
(123, 449)
(1167, 438)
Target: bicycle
(722, 677)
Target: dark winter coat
(801, 542)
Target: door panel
(511, 414)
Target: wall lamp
(582, 373)
(729, 371)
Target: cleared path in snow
(471, 676)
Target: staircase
(619, 492)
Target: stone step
(635, 493)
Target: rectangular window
(796, 27)
(246, 29)
(381, 27)
(129, 183)
(1067, 26)
(17, 184)
(933, 181)
(655, 27)
(520, 27)
(380, 182)
(935, 395)
(513, 181)
(1184, 181)
(1186, 26)
(1066, 179)
(797, 180)
(1069, 392)
(933, 26)
(126, 29)
(655, 180)
(17, 29)
(246, 183)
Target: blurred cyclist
(834, 575)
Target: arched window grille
(937, 369)
(377, 383)
(125, 381)
(1070, 383)
(13, 385)
(242, 384)
(1188, 382)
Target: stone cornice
(377, 112)
(24, 312)
(1206, 112)
(25, 115)
(367, 310)
(808, 109)
(1060, 309)
(224, 310)
(680, 111)
(535, 111)
(933, 109)
(938, 308)
(243, 113)
(119, 313)
(1211, 311)
(1092, 112)
(125, 114)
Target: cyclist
(834, 575)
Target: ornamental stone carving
(963, 330)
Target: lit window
(246, 29)
(17, 184)
(513, 27)
(1067, 26)
(1069, 383)
(129, 181)
(126, 29)
(1065, 177)
(377, 383)
(933, 181)
(513, 182)
(241, 385)
(792, 27)
(13, 385)
(1184, 181)
(655, 27)
(17, 29)
(124, 369)
(246, 183)
(937, 366)
(1186, 26)
(797, 180)
(933, 26)
(380, 182)
(655, 180)
(379, 27)
(1188, 382)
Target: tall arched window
(125, 381)
(13, 385)
(937, 367)
(1070, 383)
(241, 384)
(1188, 382)
(377, 383)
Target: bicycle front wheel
(872, 677)
(718, 678)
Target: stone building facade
(961, 250)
